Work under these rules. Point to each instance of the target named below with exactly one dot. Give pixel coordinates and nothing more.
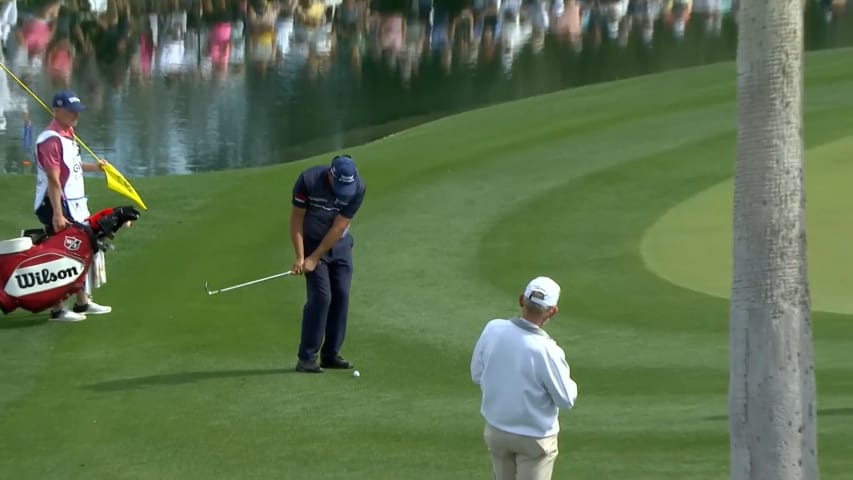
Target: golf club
(212, 292)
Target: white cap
(543, 291)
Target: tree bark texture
(772, 392)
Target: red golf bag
(40, 268)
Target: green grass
(704, 223)
(175, 384)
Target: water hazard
(175, 87)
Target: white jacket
(524, 378)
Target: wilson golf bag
(40, 269)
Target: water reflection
(178, 86)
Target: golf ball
(356, 374)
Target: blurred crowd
(333, 67)
(178, 37)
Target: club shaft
(252, 282)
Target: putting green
(690, 245)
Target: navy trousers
(45, 214)
(324, 316)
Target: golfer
(61, 194)
(524, 380)
(325, 200)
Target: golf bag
(41, 268)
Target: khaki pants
(516, 457)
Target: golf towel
(97, 273)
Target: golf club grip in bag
(35, 276)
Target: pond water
(175, 87)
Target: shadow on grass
(181, 378)
(14, 323)
(821, 412)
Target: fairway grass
(460, 213)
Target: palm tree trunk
(772, 398)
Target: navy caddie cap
(68, 100)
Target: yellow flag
(117, 183)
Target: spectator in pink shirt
(60, 192)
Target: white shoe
(66, 316)
(93, 309)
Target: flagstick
(124, 183)
(27, 89)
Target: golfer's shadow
(180, 378)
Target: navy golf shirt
(313, 192)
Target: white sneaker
(92, 308)
(66, 316)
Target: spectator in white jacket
(8, 23)
(8, 19)
(525, 380)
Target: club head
(121, 217)
(207, 289)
